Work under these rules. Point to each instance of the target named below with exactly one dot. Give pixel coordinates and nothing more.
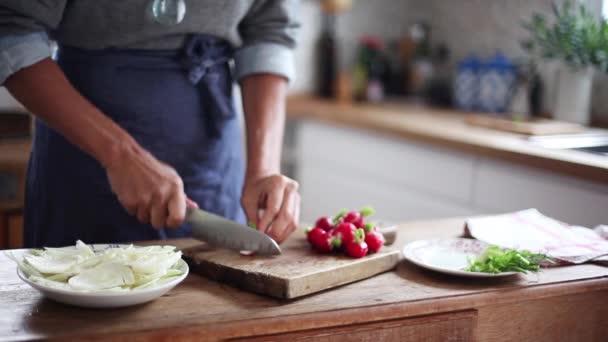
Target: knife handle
(390, 234)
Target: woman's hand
(278, 198)
(148, 189)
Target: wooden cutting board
(531, 127)
(297, 272)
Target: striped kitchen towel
(530, 230)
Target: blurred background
(427, 109)
(414, 34)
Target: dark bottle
(536, 95)
(327, 58)
(394, 71)
(438, 91)
(422, 65)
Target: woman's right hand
(148, 188)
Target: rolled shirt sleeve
(19, 51)
(269, 33)
(23, 32)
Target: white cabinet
(325, 193)
(347, 168)
(341, 167)
(502, 186)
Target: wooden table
(408, 304)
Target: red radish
(315, 234)
(374, 240)
(324, 243)
(352, 216)
(325, 223)
(357, 249)
(370, 227)
(345, 233)
(355, 218)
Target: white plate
(107, 299)
(448, 256)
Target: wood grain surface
(202, 309)
(448, 129)
(529, 127)
(454, 326)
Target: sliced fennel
(80, 268)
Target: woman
(135, 118)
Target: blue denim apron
(176, 104)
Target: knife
(221, 232)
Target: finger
(249, 202)
(130, 205)
(177, 209)
(143, 213)
(190, 203)
(130, 208)
(272, 205)
(158, 214)
(284, 225)
(296, 210)
(296, 216)
(286, 233)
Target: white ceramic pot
(573, 95)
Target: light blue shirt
(20, 51)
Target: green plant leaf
(574, 35)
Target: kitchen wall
(479, 26)
(385, 18)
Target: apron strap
(205, 58)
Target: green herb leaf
(341, 213)
(367, 211)
(496, 260)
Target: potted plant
(579, 40)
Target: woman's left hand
(276, 197)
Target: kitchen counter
(409, 303)
(446, 128)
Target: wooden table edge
(345, 317)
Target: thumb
(250, 206)
(190, 203)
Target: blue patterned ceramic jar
(496, 84)
(466, 83)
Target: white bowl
(107, 299)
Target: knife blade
(221, 232)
